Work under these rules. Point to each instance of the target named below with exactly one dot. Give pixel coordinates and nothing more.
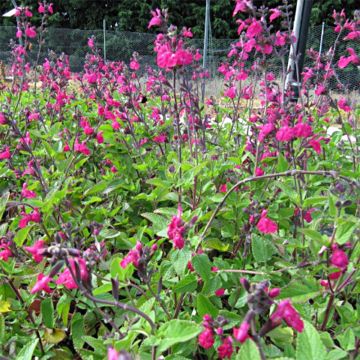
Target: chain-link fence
(121, 45)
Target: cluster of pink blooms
(176, 230)
(65, 278)
(207, 338)
(170, 49)
(5, 251)
(135, 254)
(339, 261)
(34, 216)
(285, 311)
(266, 225)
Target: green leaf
(2, 329)
(187, 284)
(77, 331)
(159, 223)
(47, 312)
(180, 259)
(202, 266)
(332, 207)
(3, 201)
(336, 354)
(309, 344)
(344, 231)
(216, 244)
(282, 163)
(97, 344)
(262, 249)
(205, 306)
(301, 291)
(63, 308)
(347, 339)
(315, 235)
(248, 351)
(176, 331)
(54, 336)
(27, 351)
(21, 236)
(117, 271)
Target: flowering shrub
(138, 222)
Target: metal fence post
(321, 37)
(206, 44)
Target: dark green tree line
(134, 15)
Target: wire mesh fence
(121, 45)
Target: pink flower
(81, 147)
(352, 35)
(187, 33)
(275, 13)
(30, 32)
(100, 137)
(274, 292)
(302, 130)
(320, 89)
(41, 8)
(315, 144)
(167, 58)
(42, 284)
(3, 120)
(66, 279)
(34, 116)
(160, 138)
(132, 257)
(34, 216)
(223, 188)
(259, 172)
(307, 215)
(36, 250)
(5, 252)
(5, 154)
(26, 193)
(265, 225)
(230, 92)
(91, 43)
(66, 147)
(19, 33)
(134, 65)
(220, 292)
(241, 334)
(197, 56)
(206, 339)
(284, 134)
(50, 8)
(176, 230)
(27, 12)
(343, 105)
(156, 19)
(112, 354)
(255, 29)
(352, 59)
(285, 311)
(339, 259)
(241, 6)
(225, 350)
(265, 131)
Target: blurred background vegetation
(134, 15)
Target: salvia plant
(139, 222)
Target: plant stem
(31, 318)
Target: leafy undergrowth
(139, 223)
